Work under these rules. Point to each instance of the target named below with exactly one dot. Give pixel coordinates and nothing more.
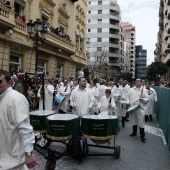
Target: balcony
(166, 36)
(74, 1)
(114, 45)
(20, 26)
(112, 35)
(113, 55)
(113, 26)
(56, 40)
(161, 13)
(112, 63)
(6, 17)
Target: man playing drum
(48, 96)
(64, 91)
(138, 96)
(119, 92)
(107, 103)
(81, 99)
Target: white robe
(105, 105)
(95, 93)
(14, 109)
(152, 99)
(122, 92)
(102, 90)
(137, 118)
(48, 97)
(65, 91)
(83, 100)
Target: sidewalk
(135, 155)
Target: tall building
(162, 51)
(129, 35)
(103, 35)
(63, 52)
(141, 62)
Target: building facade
(141, 62)
(130, 36)
(63, 52)
(103, 35)
(162, 51)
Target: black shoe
(123, 125)
(150, 118)
(126, 120)
(146, 118)
(143, 139)
(133, 134)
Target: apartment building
(129, 36)
(162, 51)
(103, 35)
(62, 54)
(141, 62)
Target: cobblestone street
(135, 155)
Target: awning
(45, 15)
(21, 2)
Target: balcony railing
(57, 40)
(20, 25)
(6, 16)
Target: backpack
(76, 147)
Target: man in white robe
(48, 95)
(138, 96)
(17, 137)
(95, 93)
(119, 93)
(107, 104)
(64, 91)
(102, 89)
(152, 100)
(81, 99)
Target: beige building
(129, 36)
(59, 53)
(162, 52)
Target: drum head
(132, 108)
(42, 112)
(62, 117)
(100, 117)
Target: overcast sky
(143, 14)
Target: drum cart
(116, 150)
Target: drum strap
(66, 89)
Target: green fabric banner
(62, 129)
(162, 109)
(101, 129)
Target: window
(99, 39)
(99, 2)
(89, 30)
(41, 66)
(19, 8)
(99, 21)
(89, 12)
(99, 11)
(15, 62)
(99, 29)
(99, 48)
(89, 21)
(59, 70)
(89, 3)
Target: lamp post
(34, 28)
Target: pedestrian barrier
(162, 109)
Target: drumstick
(135, 102)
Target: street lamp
(33, 29)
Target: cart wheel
(50, 164)
(117, 152)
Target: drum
(62, 126)
(133, 109)
(59, 100)
(38, 120)
(122, 104)
(100, 128)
